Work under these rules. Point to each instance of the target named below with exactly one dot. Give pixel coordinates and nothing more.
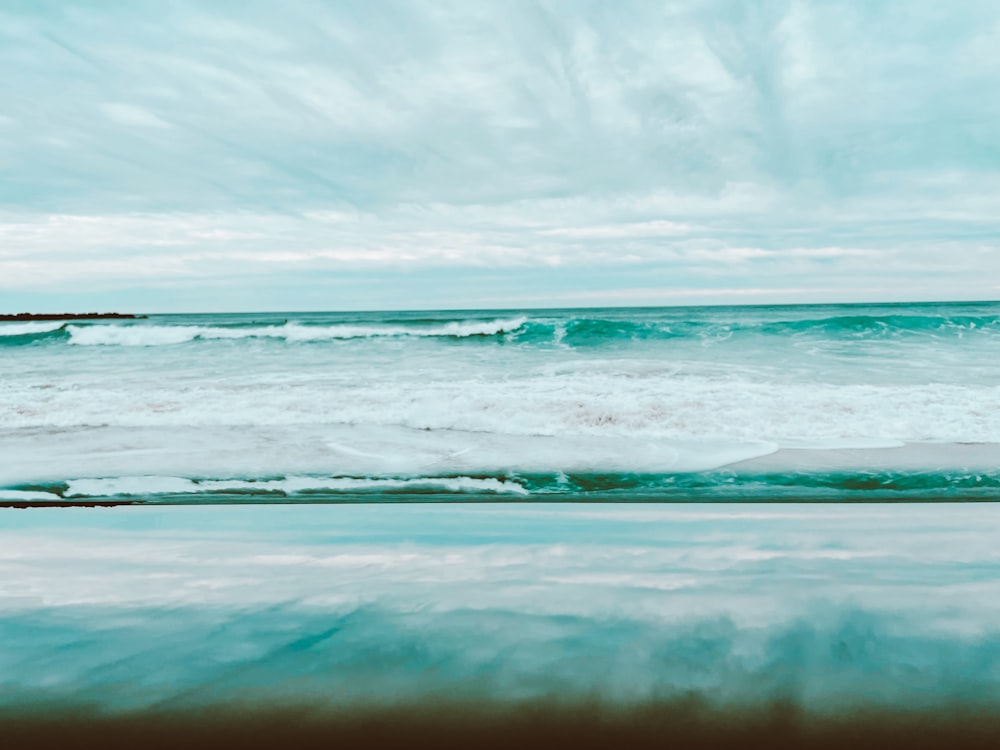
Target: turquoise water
(831, 402)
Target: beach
(693, 525)
(499, 374)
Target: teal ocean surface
(827, 403)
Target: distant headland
(68, 316)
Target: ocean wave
(28, 329)
(729, 484)
(309, 462)
(594, 331)
(302, 485)
(159, 335)
(17, 334)
(538, 329)
(888, 325)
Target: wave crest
(160, 335)
(301, 485)
(14, 334)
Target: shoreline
(602, 500)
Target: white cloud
(131, 114)
(692, 139)
(659, 228)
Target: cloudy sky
(172, 156)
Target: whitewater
(832, 402)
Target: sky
(170, 156)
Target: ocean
(798, 403)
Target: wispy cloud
(552, 135)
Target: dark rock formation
(67, 316)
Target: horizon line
(527, 308)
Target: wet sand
(501, 625)
(676, 725)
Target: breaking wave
(724, 485)
(583, 331)
(28, 329)
(157, 335)
(567, 329)
(285, 486)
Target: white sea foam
(121, 335)
(159, 485)
(28, 329)
(111, 486)
(568, 404)
(156, 335)
(28, 495)
(238, 452)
